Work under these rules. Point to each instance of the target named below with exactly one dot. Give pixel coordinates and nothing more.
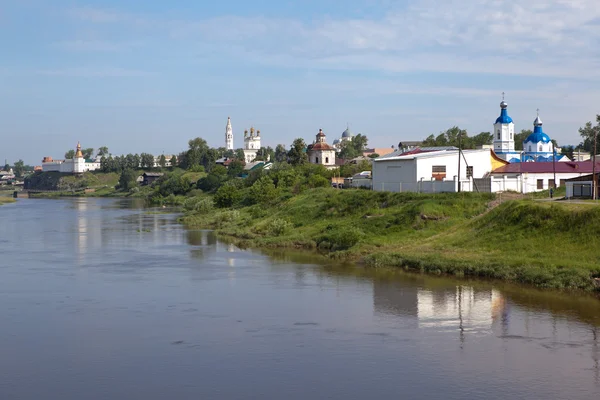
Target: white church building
(320, 152)
(537, 147)
(251, 144)
(76, 165)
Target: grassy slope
(548, 245)
(6, 199)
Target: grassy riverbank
(549, 245)
(6, 199)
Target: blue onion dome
(336, 141)
(503, 118)
(347, 133)
(538, 134)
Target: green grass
(6, 199)
(544, 244)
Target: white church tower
(504, 134)
(228, 135)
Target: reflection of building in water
(464, 308)
(82, 229)
(461, 307)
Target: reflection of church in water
(461, 307)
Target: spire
(78, 153)
(503, 118)
(538, 121)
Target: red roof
(569, 167)
(320, 146)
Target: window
(511, 135)
(326, 160)
(540, 183)
(438, 172)
(530, 148)
(498, 134)
(551, 183)
(469, 171)
(316, 160)
(540, 148)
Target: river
(103, 299)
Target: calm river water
(101, 299)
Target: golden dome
(78, 153)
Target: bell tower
(504, 132)
(228, 135)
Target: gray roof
(399, 152)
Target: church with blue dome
(537, 147)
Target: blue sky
(146, 76)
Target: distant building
(150, 177)
(320, 152)
(346, 136)
(167, 161)
(381, 151)
(251, 144)
(228, 135)
(76, 165)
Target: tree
(588, 132)
(236, 167)
(6, 167)
(88, 153)
(69, 155)
(280, 153)
(173, 161)
(297, 154)
(568, 151)
(103, 151)
(520, 137)
(19, 168)
(354, 147)
(239, 154)
(263, 191)
(127, 180)
(227, 195)
(147, 160)
(374, 155)
(162, 161)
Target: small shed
(150, 177)
(581, 187)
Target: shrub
(278, 227)
(227, 195)
(228, 216)
(315, 181)
(339, 238)
(262, 191)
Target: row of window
(438, 172)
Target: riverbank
(6, 199)
(549, 245)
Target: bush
(227, 196)
(228, 216)
(262, 191)
(316, 181)
(278, 227)
(197, 168)
(211, 182)
(339, 238)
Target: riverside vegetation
(550, 245)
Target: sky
(148, 75)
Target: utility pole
(459, 154)
(554, 163)
(594, 166)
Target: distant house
(150, 177)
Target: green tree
(88, 153)
(162, 161)
(69, 155)
(297, 154)
(127, 180)
(19, 168)
(103, 151)
(174, 184)
(235, 168)
(568, 151)
(6, 167)
(520, 137)
(587, 133)
(227, 195)
(147, 160)
(239, 154)
(280, 153)
(354, 147)
(263, 191)
(374, 155)
(173, 161)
